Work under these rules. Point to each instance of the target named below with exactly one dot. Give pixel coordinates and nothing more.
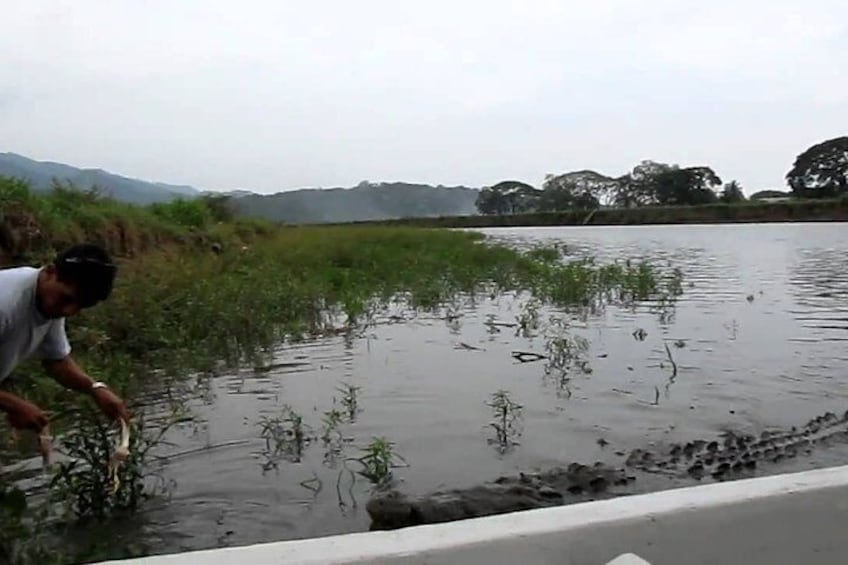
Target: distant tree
(523, 197)
(582, 189)
(638, 188)
(651, 182)
(507, 197)
(490, 202)
(732, 193)
(759, 195)
(560, 198)
(689, 186)
(822, 170)
(556, 197)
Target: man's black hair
(90, 269)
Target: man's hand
(23, 415)
(110, 404)
(70, 375)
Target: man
(34, 303)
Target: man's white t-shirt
(24, 332)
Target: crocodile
(732, 455)
(391, 509)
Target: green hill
(366, 201)
(41, 175)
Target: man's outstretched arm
(21, 414)
(71, 376)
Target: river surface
(759, 337)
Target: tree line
(821, 171)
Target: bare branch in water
(671, 360)
(527, 356)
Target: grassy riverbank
(34, 225)
(180, 311)
(178, 304)
(821, 210)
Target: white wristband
(97, 385)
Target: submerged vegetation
(83, 482)
(199, 292)
(349, 400)
(506, 420)
(285, 436)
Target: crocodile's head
(389, 510)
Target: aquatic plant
(285, 436)
(674, 282)
(350, 400)
(378, 460)
(81, 490)
(85, 483)
(332, 437)
(565, 350)
(528, 319)
(332, 420)
(507, 416)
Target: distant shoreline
(830, 210)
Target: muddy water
(760, 340)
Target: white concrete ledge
(780, 519)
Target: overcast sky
(275, 95)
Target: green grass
(36, 224)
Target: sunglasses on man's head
(88, 260)
(79, 262)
